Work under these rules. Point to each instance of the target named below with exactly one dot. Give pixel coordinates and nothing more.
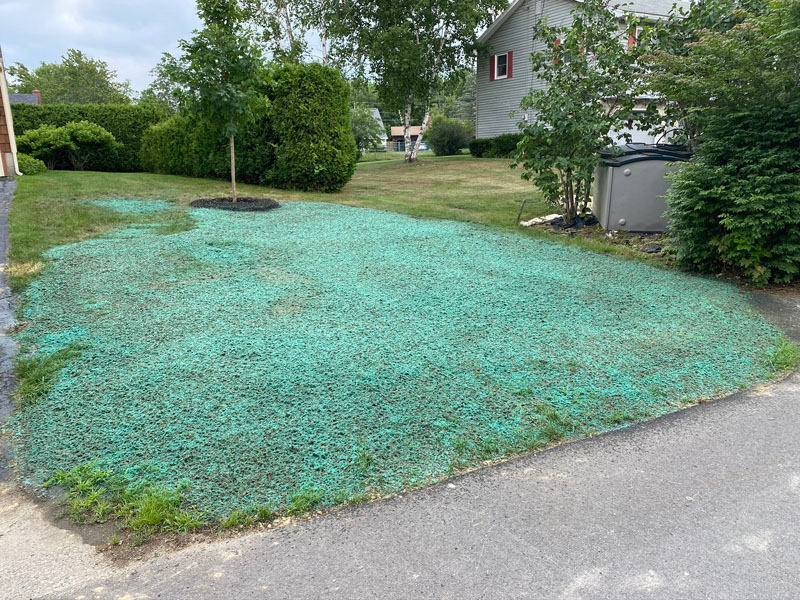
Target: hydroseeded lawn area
(334, 350)
(49, 208)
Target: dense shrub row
(299, 137)
(502, 146)
(126, 123)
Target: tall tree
(77, 79)
(285, 25)
(219, 71)
(411, 47)
(163, 93)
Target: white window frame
(496, 56)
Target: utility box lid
(629, 153)
(630, 185)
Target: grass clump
(37, 375)
(786, 357)
(96, 495)
(304, 501)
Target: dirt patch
(241, 204)
(654, 244)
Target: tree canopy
(410, 47)
(77, 79)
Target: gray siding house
(506, 77)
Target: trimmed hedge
(315, 147)
(502, 146)
(299, 138)
(125, 122)
(186, 145)
(29, 165)
(479, 147)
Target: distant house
(397, 141)
(8, 143)
(376, 114)
(33, 98)
(506, 76)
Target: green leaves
(77, 141)
(593, 82)
(737, 206)
(220, 67)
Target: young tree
(219, 71)
(411, 47)
(77, 79)
(592, 83)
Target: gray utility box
(629, 186)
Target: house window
(501, 66)
(634, 36)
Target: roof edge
(498, 22)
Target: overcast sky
(129, 35)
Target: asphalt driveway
(700, 504)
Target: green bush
(29, 165)
(504, 146)
(315, 148)
(187, 145)
(480, 146)
(125, 122)
(299, 137)
(78, 143)
(448, 136)
(737, 204)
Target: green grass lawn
(319, 353)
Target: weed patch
(38, 374)
(786, 357)
(303, 502)
(95, 495)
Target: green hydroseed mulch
(326, 350)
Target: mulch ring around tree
(241, 204)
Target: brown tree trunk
(233, 169)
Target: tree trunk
(233, 169)
(407, 130)
(425, 122)
(323, 39)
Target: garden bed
(326, 352)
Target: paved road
(701, 504)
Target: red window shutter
(491, 68)
(510, 64)
(557, 44)
(631, 38)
